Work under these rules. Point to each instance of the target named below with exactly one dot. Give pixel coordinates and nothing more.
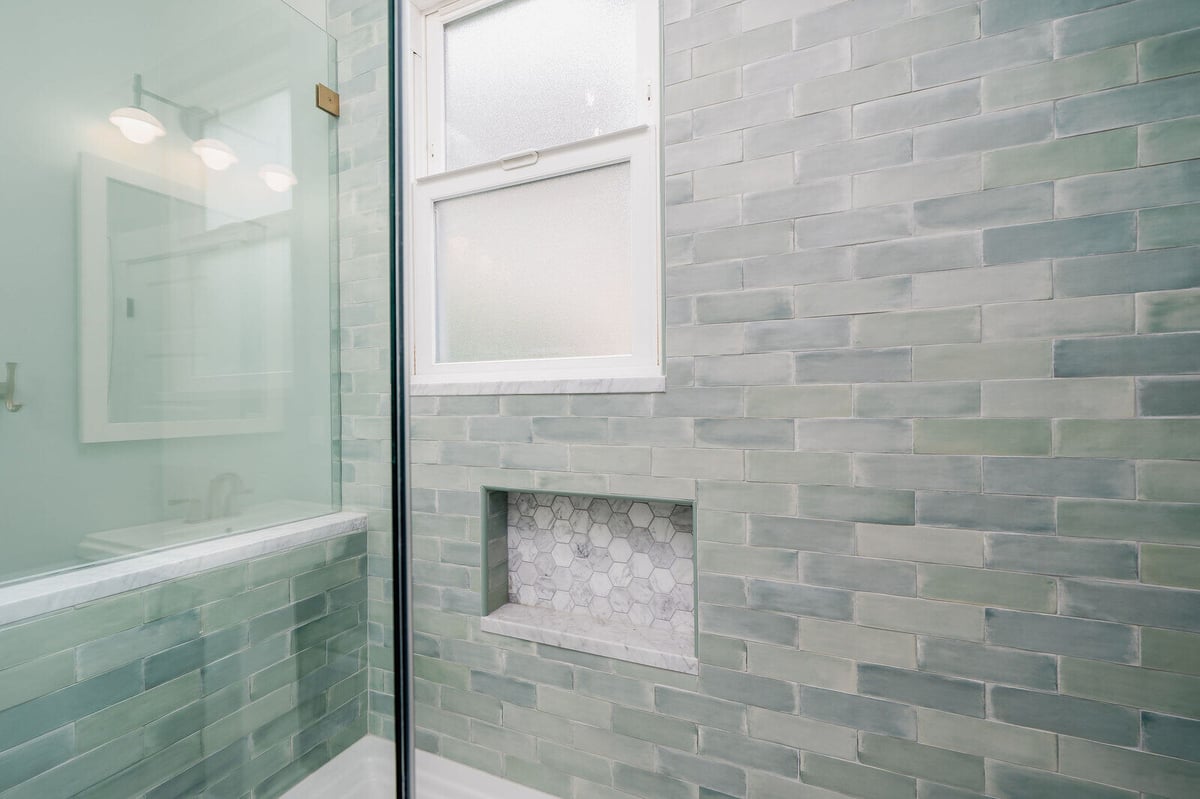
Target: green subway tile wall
(361, 28)
(234, 682)
(934, 386)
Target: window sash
(649, 73)
(637, 147)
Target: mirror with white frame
(185, 311)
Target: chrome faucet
(221, 491)
(195, 509)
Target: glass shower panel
(167, 288)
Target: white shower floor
(367, 770)
(439, 778)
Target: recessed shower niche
(613, 576)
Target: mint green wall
(67, 66)
(237, 681)
(933, 386)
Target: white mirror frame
(96, 324)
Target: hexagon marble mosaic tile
(605, 558)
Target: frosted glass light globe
(137, 125)
(216, 154)
(277, 177)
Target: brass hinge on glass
(328, 100)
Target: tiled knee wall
(238, 681)
(933, 343)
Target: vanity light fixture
(277, 177)
(136, 123)
(140, 126)
(216, 154)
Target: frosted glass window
(544, 273)
(529, 74)
(539, 270)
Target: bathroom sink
(174, 532)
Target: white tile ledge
(89, 583)
(613, 638)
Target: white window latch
(518, 160)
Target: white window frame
(430, 183)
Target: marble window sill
(621, 640)
(583, 385)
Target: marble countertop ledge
(40, 595)
(615, 639)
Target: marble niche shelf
(611, 576)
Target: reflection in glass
(171, 320)
(199, 314)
